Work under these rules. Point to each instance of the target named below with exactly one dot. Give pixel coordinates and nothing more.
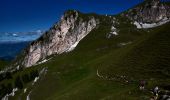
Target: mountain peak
(70, 12)
(151, 11)
(152, 3)
(62, 37)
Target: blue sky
(31, 15)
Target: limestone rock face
(62, 37)
(151, 11)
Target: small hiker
(156, 90)
(142, 85)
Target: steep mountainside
(150, 14)
(110, 58)
(62, 37)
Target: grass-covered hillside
(103, 66)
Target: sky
(31, 15)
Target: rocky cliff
(150, 13)
(62, 37)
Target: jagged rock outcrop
(151, 11)
(62, 37)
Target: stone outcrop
(62, 37)
(151, 11)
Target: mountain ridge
(108, 63)
(156, 6)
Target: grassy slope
(73, 75)
(2, 64)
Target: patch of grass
(3, 64)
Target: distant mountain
(96, 57)
(9, 50)
(20, 36)
(11, 44)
